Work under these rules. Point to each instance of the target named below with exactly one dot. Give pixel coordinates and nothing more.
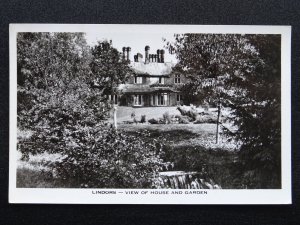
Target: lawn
(190, 147)
(124, 113)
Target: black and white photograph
(150, 114)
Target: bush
(167, 118)
(188, 111)
(94, 154)
(112, 160)
(210, 118)
(183, 119)
(143, 118)
(153, 121)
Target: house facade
(153, 83)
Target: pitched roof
(152, 68)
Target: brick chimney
(162, 55)
(158, 55)
(147, 48)
(128, 51)
(123, 54)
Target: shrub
(167, 118)
(96, 155)
(207, 118)
(143, 118)
(153, 121)
(183, 119)
(188, 111)
(112, 160)
(206, 107)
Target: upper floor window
(161, 80)
(138, 80)
(177, 79)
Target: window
(138, 80)
(137, 100)
(161, 80)
(179, 98)
(177, 79)
(162, 99)
(113, 98)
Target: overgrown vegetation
(62, 87)
(241, 72)
(62, 99)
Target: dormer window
(138, 80)
(161, 80)
(177, 79)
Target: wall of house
(167, 80)
(147, 99)
(171, 79)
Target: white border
(86, 196)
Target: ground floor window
(179, 98)
(160, 99)
(113, 99)
(137, 100)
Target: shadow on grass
(169, 135)
(220, 165)
(29, 178)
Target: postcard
(150, 114)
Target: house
(153, 83)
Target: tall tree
(216, 64)
(242, 72)
(67, 115)
(108, 67)
(53, 68)
(259, 118)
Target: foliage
(49, 65)
(183, 119)
(61, 99)
(143, 118)
(242, 72)
(206, 118)
(214, 63)
(108, 67)
(153, 121)
(258, 117)
(188, 111)
(167, 118)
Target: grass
(33, 178)
(191, 147)
(184, 134)
(179, 148)
(124, 113)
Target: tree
(108, 67)
(259, 119)
(64, 85)
(243, 73)
(216, 64)
(52, 67)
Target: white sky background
(137, 42)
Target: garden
(66, 137)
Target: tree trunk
(218, 121)
(115, 117)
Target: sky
(137, 42)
